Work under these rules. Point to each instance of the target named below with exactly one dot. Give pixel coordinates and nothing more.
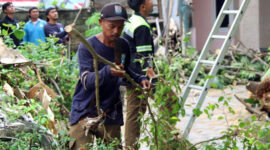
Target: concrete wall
(98, 4)
(264, 23)
(249, 29)
(66, 17)
(254, 29)
(202, 19)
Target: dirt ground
(204, 128)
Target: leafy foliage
(93, 25)
(248, 134)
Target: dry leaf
(19, 93)
(33, 92)
(46, 99)
(10, 56)
(8, 89)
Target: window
(219, 4)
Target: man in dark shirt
(9, 19)
(138, 32)
(83, 107)
(53, 28)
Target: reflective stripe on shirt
(144, 48)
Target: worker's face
(34, 14)
(53, 14)
(10, 9)
(111, 29)
(147, 6)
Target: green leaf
(9, 26)
(54, 3)
(197, 112)
(183, 112)
(174, 118)
(186, 39)
(208, 77)
(241, 125)
(253, 118)
(231, 110)
(219, 82)
(220, 117)
(174, 132)
(4, 32)
(19, 34)
(93, 20)
(213, 85)
(190, 51)
(206, 111)
(221, 98)
(63, 5)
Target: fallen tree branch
(248, 108)
(8, 139)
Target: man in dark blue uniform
(9, 19)
(83, 104)
(54, 28)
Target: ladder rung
(219, 36)
(230, 12)
(196, 87)
(207, 62)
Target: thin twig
(214, 139)
(155, 124)
(154, 60)
(38, 75)
(233, 58)
(61, 95)
(77, 16)
(30, 144)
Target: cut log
(252, 87)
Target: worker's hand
(72, 25)
(150, 73)
(146, 84)
(117, 72)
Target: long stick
(97, 86)
(249, 109)
(97, 94)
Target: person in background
(9, 19)
(53, 28)
(139, 35)
(34, 28)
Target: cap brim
(116, 18)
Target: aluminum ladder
(216, 63)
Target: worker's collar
(8, 18)
(138, 14)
